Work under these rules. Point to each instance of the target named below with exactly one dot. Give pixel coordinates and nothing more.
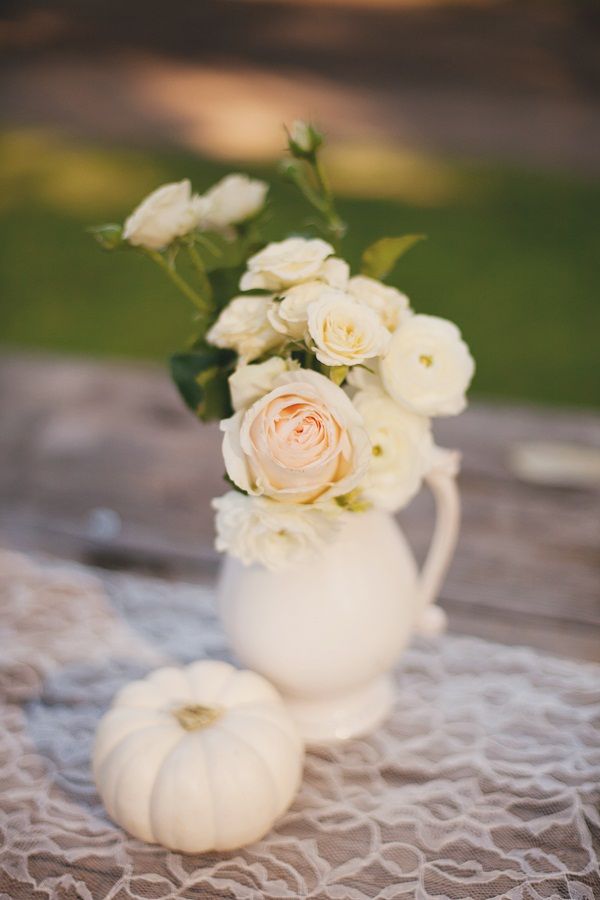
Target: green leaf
(225, 285)
(110, 237)
(379, 258)
(217, 251)
(338, 373)
(234, 486)
(201, 378)
(353, 502)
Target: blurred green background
(477, 123)
(512, 256)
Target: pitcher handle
(441, 480)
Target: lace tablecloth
(484, 784)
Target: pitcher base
(344, 716)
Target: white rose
(251, 382)
(335, 272)
(234, 199)
(367, 377)
(284, 263)
(168, 212)
(243, 325)
(344, 332)
(302, 441)
(276, 535)
(290, 314)
(402, 449)
(391, 305)
(428, 367)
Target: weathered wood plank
(79, 436)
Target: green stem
(297, 176)
(335, 224)
(322, 180)
(210, 245)
(199, 302)
(200, 271)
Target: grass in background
(512, 257)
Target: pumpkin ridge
(130, 737)
(166, 762)
(161, 682)
(227, 684)
(264, 764)
(124, 765)
(244, 710)
(211, 790)
(191, 670)
(134, 728)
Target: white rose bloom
(344, 332)
(251, 382)
(234, 199)
(243, 325)
(391, 305)
(284, 263)
(402, 449)
(365, 377)
(168, 212)
(290, 314)
(276, 535)
(335, 272)
(301, 442)
(428, 367)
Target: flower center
(196, 716)
(426, 360)
(376, 450)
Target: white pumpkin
(200, 758)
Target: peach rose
(301, 442)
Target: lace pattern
(484, 783)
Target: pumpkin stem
(196, 716)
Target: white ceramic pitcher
(327, 633)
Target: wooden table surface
(100, 462)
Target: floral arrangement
(325, 382)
